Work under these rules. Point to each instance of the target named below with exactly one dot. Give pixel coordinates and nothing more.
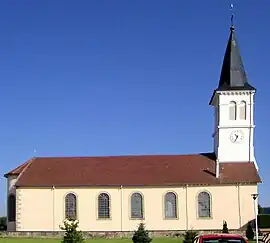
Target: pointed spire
(233, 75)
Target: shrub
(3, 223)
(141, 235)
(249, 232)
(72, 235)
(190, 235)
(225, 227)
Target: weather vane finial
(232, 15)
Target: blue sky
(106, 77)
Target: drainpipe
(121, 218)
(186, 207)
(239, 205)
(250, 124)
(53, 213)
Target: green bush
(249, 232)
(190, 235)
(141, 235)
(72, 235)
(3, 223)
(225, 227)
(264, 221)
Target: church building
(166, 192)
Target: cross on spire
(232, 16)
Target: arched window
(232, 110)
(170, 205)
(103, 206)
(11, 208)
(71, 206)
(136, 206)
(243, 110)
(204, 205)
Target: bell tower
(233, 102)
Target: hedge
(264, 221)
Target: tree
(72, 235)
(260, 209)
(141, 235)
(249, 231)
(190, 235)
(225, 227)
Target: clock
(236, 136)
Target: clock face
(237, 136)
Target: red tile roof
(134, 170)
(18, 169)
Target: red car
(220, 238)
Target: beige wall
(43, 209)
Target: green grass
(34, 240)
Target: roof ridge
(124, 155)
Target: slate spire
(233, 75)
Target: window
(204, 207)
(243, 110)
(103, 206)
(136, 206)
(170, 206)
(71, 206)
(11, 208)
(232, 110)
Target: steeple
(233, 75)
(233, 103)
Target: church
(166, 192)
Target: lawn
(34, 240)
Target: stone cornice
(236, 92)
